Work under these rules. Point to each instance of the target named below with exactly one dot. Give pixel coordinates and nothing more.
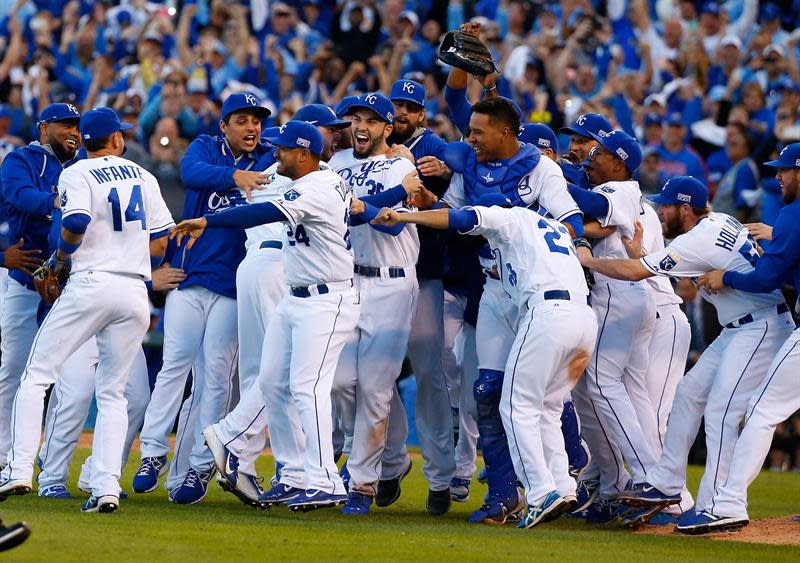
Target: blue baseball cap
(408, 91)
(101, 122)
(680, 190)
(676, 119)
(320, 115)
(769, 12)
(652, 119)
(789, 157)
(493, 198)
(588, 124)
(298, 135)
(241, 101)
(378, 103)
(58, 112)
(343, 107)
(710, 8)
(622, 146)
(540, 135)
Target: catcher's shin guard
(500, 473)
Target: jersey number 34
(133, 212)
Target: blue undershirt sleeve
(246, 216)
(592, 204)
(462, 220)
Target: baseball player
(581, 141)
(494, 161)
(387, 284)
(29, 178)
(718, 387)
(554, 336)
(114, 220)
(200, 331)
(299, 357)
(238, 439)
(777, 397)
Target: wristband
(67, 247)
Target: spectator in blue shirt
(677, 159)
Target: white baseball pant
(89, 305)
(496, 328)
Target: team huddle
(532, 295)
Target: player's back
(125, 206)
(653, 241)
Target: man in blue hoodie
(200, 331)
(29, 178)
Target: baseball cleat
(585, 494)
(388, 490)
(705, 523)
(312, 499)
(666, 519)
(579, 459)
(439, 502)
(551, 507)
(603, 511)
(639, 516)
(150, 470)
(357, 504)
(194, 487)
(497, 512)
(12, 487)
(13, 535)
(277, 495)
(55, 491)
(645, 494)
(105, 503)
(459, 489)
(227, 463)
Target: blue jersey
(574, 174)
(29, 178)
(684, 162)
(207, 172)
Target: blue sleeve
(693, 110)
(76, 223)
(386, 198)
(198, 175)
(576, 222)
(777, 261)
(462, 220)
(622, 111)
(246, 216)
(19, 191)
(745, 180)
(458, 105)
(455, 156)
(592, 204)
(370, 213)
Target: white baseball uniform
(113, 260)
(299, 357)
(718, 388)
(542, 277)
(386, 280)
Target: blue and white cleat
(645, 494)
(194, 487)
(312, 499)
(150, 470)
(55, 491)
(603, 511)
(105, 503)
(227, 463)
(459, 489)
(357, 504)
(705, 523)
(497, 512)
(11, 487)
(636, 517)
(277, 495)
(551, 507)
(585, 493)
(666, 519)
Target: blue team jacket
(207, 172)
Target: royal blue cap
(710, 8)
(680, 190)
(623, 146)
(652, 119)
(320, 115)
(101, 122)
(58, 112)
(789, 157)
(298, 135)
(409, 91)
(675, 118)
(241, 101)
(769, 12)
(343, 107)
(378, 103)
(540, 135)
(493, 198)
(588, 124)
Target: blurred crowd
(711, 89)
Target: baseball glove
(465, 51)
(50, 279)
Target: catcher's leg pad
(500, 473)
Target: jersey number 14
(133, 212)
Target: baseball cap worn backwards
(58, 112)
(789, 157)
(540, 135)
(378, 103)
(242, 101)
(680, 190)
(101, 122)
(622, 146)
(298, 135)
(320, 115)
(588, 124)
(409, 91)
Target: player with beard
(29, 179)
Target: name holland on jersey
(729, 233)
(116, 173)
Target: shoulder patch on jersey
(668, 262)
(291, 195)
(608, 189)
(63, 200)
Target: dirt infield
(784, 530)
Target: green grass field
(150, 528)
